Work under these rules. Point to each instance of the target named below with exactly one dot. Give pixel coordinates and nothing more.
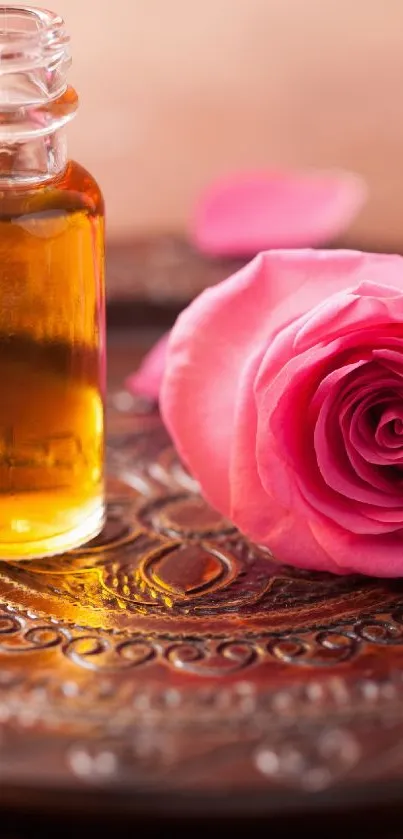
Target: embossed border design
(210, 656)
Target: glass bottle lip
(28, 23)
(34, 56)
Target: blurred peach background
(174, 93)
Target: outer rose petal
(377, 557)
(329, 273)
(148, 378)
(209, 345)
(247, 214)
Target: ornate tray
(173, 668)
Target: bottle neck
(32, 161)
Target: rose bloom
(283, 393)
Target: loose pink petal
(249, 213)
(148, 378)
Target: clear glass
(52, 324)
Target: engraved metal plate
(171, 660)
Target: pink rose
(283, 393)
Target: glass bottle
(52, 337)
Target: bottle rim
(34, 56)
(29, 25)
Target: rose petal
(364, 439)
(256, 513)
(324, 275)
(389, 432)
(382, 557)
(369, 472)
(218, 332)
(148, 378)
(366, 306)
(248, 213)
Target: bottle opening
(27, 21)
(34, 56)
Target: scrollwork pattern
(102, 654)
(201, 656)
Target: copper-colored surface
(171, 658)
